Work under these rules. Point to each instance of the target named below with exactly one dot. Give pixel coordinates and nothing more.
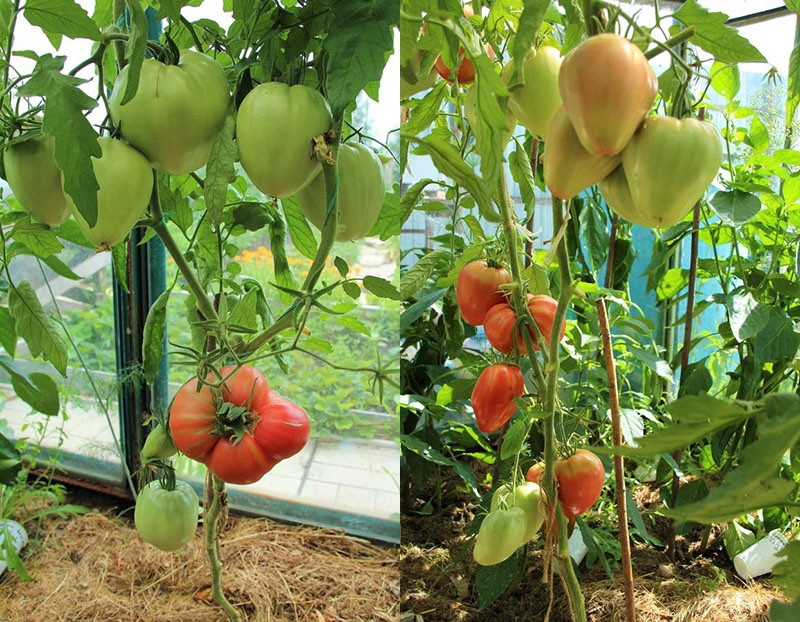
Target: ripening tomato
(580, 481)
(608, 87)
(478, 289)
(167, 519)
(568, 167)
(493, 396)
(239, 432)
(535, 102)
(35, 179)
(666, 168)
(527, 496)
(501, 319)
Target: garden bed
(96, 567)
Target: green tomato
(361, 192)
(502, 532)
(275, 129)
(177, 112)
(167, 519)
(35, 180)
(666, 168)
(126, 181)
(528, 497)
(536, 101)
(158, 445)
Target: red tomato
(535, 473)
(580, 481)
(239, 432)
(466, 70)
(478, 289)
(500, 319)
(493, 396)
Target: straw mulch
(95, 567)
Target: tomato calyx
(233, 422)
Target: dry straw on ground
(96, 568)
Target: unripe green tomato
(568, 168)
(471, 112)
(502, 532)
(668, 165)
(529, 498)
(361, 192)
(126, 181)
(167, 519)
(35, 179)
(158, 445)
(177, 112)
(275, 129)
(535, 102)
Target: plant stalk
(534, 165)
(211, 523)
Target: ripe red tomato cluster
(239, 432)
(580, 480)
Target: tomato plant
(239, 432)
(275, 128)
(608, 87)
(493, 396)
(465, 73)
(535, 102)
(166, 518)
(176, 113)
(502, 532)
(478, 289)
(35, 180)
(126, 182)
(361, 192)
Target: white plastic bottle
(19, 538)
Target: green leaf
(302, 236)
(390, 218)
(491, 582)
(694, 417)
(513, 439)
(429, 453)
(381, 288)
(10, 461)
(725, 80)
(60, 268)
(411, 197)
(426, 110)
(417, 275)
(533, 12)
(358, 43)
(721, 41)
(349, 321)
(735, 207)
(277, 243)
(66, 121)
(747, 316)
(135, 47)
(341, 266)
(153, 336)
(36, 389)
(36, 328)
(352, 290)
(594, 228)
(758, 136)
(736, 539)
(220, 171)
(449, 162)
(244, 312)
(119, 262)
(252, 216)
(793, 85)
(520, 166)
(777, 341)
(8, 334)
(61, 17)
(37, 237)
(755, 483)
(783, 612)
(787, 571)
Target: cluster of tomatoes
(165, 126)
(483, 302)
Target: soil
(95, 567)
(437, 576)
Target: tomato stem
(211, 522)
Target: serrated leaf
(36, 328)
(8, 334)
(381, 287)
(301, 234)
(119, 263)
(37, 237)
(135, 47)
(220, 171)
(390, 219)
(513, 439)
(61, 17)
(359, 38)
(417, 275)
(318, 344)
(715, 37)
(793, 85)
(153, 337)
(277, 243)
(349, 321)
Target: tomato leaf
(37, 237)
(36, 328)
(60, 268)
(787, 573)
(280, 264)
(492, 581)
(416, 276)
(426, 109)
(66, 121)
(37, 390)
(119, 262)
(353, 323)
(10, 460)
(220, 171)
(341, 266)
(135, 47)
(358, 41)
(530, 21)
(302, 236)
(8, 334)
(736, 207)
(153, 337)
(782, 612)
(381, 288)
(723, 42)
(61, 17)
(391, 217)
(513, 439)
